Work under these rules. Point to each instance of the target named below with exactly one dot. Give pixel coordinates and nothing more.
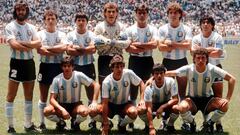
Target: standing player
(143, 37)
(22, 38)
(213, 42)
(65, 98)
(201, 76)
(81, 45)
(110, 31)
(115, 94)
(160, 97)
(51, 52)
(174, 42)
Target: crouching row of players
(158, 98)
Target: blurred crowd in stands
(225, 12)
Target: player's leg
(79, 114)
(220, 107)
(11, 94)
(54, 115)
(42, 103)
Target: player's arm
(172, 73)
(231, 83)
(56, 105)
(43, 50)
(31, 44)
(18, 46)
(147, 46)
(164, 45)
(149, 116)
(105, 115)
(96, 88)
(59, 48)
(183, 45)
(170, 103)
(132, 48)
(72, 50)
(91, 49)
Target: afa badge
(61, 87)
(29, 33)
(88, 40)
(148, 34)
(180, 34)
(58, 40)
(74, 84)
(125, 84)
(207, 79)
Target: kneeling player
(115, 94)
(160, 97)
(66, 94)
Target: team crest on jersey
(29, 33)
(148, 34)
(117, 32)
(193, 80)
(180, 34)
(210, 43)
(58, 40)
(88, 40)
(18, 35)
(61, 87)
(125, 84)
(207, 79)
(75, 41)
(74, 84)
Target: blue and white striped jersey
(82, 40)
(200, 84)
(50, 40)
(26, 32)
(142, 35)
(155, 94)
(182, 32)
(69, 91)
(118, 91)
(214, 40)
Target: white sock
(126, 121)
(173, 117)
(28, 114)
(187, 117)
(217, 115)
(98, 118)
(41, 106)
(144, 118)
(53, 118)
(9, 113)
(79, 119)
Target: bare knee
(132, 113)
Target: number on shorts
(14, 73)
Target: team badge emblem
(74, 84)
(61, 88)
(88, 40)
(29, 33)
(210, 43)
(125, 84)
(180, 34)
(58, 40)
(148, 34)
(207, 80)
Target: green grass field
(231, 121)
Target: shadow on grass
(114, 132)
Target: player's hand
(105, 129)
(141, 105)
(159, 112)
(149, 81)
(137, 44)
(168, 42)
(65, 114)
(93, 106)
(152, 131)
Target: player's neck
(201, 69)
(51, 30)
(81, 31)
(117, 77)
(142, 25)
(174, 24)
(207, 34)
(20, 22)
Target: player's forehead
(50, 16)
(111, 9)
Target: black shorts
(70, 106)
(22, 70)
(117, 109)
(47, 71)
(103, 66)
(174, 64)
(141, 66)
(88, 70)
(201, 103)
(155, 107)
(219, 79)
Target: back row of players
(109, 38)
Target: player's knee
(83, 112)
(132, 113)
(10, 98)
(48, 111)
(224, 107)
(141, 111)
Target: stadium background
(226, 13)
